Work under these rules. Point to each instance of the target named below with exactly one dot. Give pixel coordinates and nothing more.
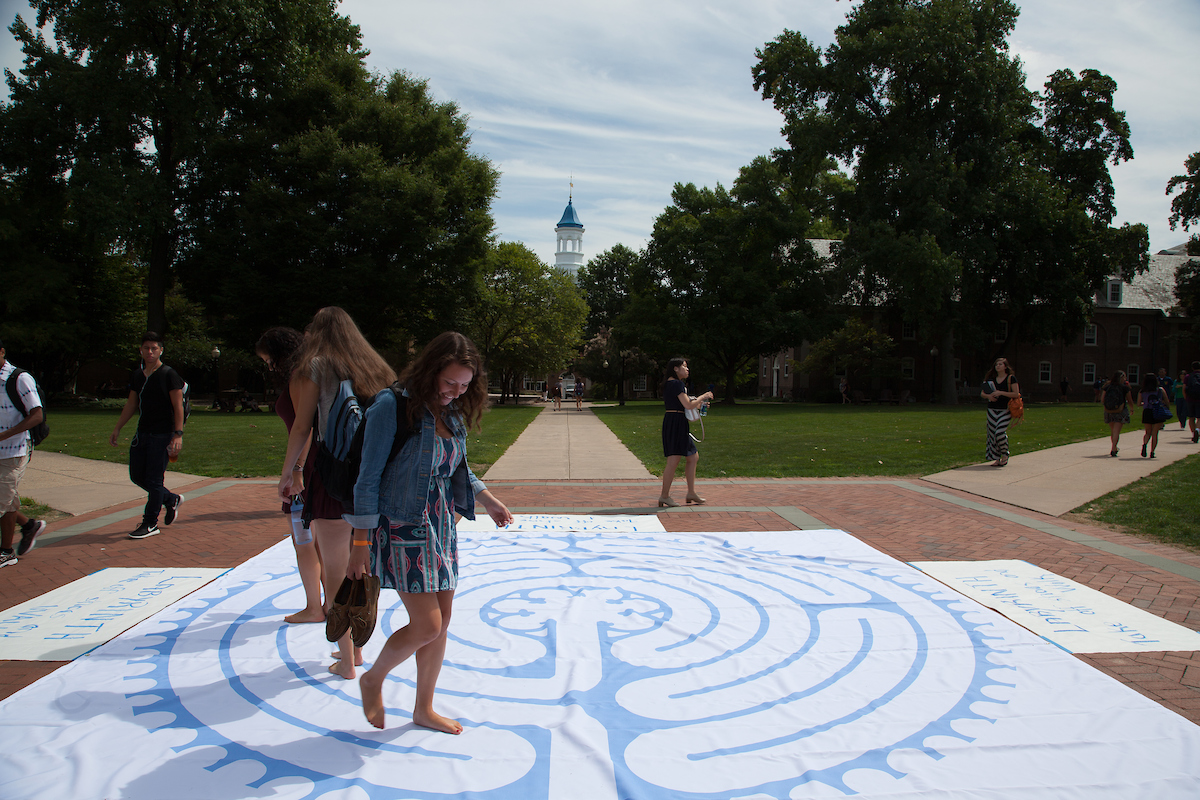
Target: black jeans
(147, 466)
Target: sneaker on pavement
(143, 531)
(172, 511)
(30, 531)
(7, 557)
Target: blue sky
(628, 98)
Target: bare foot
(437, 722)
(343, 669)
(305, 615)
(357, 655)
(372, 699)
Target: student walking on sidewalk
(16, 448)
(1117, 400)
(999, 386)
(156, 395)
(1151, 396)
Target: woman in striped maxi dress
(999, 386)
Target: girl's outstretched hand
(496, 510)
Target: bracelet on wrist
(361, 544)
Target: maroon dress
(319, 504)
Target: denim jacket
(399, 491)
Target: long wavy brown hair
(336, 348)
(421, 379)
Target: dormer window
(1114, 293)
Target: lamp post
(216, 354)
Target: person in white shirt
(15, 449)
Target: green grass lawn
(245, 445)
(1163, 506)
(801, 440)
(747, 440)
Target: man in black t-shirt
(156, 393)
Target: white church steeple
(568, 256)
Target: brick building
(1132, 329)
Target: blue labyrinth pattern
(607, 666)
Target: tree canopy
(125, 107)
(732, 273)
(527, 318)
(964, 209)
(235, 154)
(376, 205)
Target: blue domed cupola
(569, 254)
(569, 218)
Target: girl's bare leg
(1115, 427)
(424, 626)
(333, 539)
(429, 665)
(690, 472)
(309, 564)
(669, 474)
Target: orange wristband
(362, 544)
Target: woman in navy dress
(677, 442)
(404, 510)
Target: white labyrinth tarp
(601, 667)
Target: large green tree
(733, 273)
(965, 209)
(1185, 211)
(126, 104)
(527, 318)
(371, 201)
(609, 356)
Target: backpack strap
(10, 386)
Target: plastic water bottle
(301, 533)
(704, 409)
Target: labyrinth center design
(593, 665)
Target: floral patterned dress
(423, 558)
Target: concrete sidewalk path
(1061, 479)
(79, 485)
(567, 445)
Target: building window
(1135, 335)
(909, 332)
(1002, 331)
(1089, 335)
(639, 383)
(1089, 374)
(1114, 293)
(786, 364)
(764, 363)
(1044, 372)
(1134, 374)
(907, 368)
(958, 369)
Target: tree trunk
(157, 278)
(949, 387)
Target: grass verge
(245, 445)
(1163, 506)
(800, 440)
